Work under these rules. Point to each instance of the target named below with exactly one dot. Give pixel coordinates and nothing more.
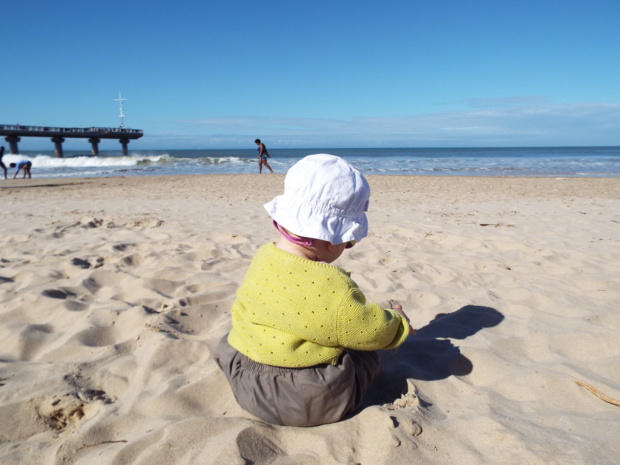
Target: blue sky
(320, 74)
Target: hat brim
(336, 226)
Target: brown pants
(298, 396)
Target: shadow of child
(429, 355)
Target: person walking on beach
(2, 165)
(24, 165)
(262, 156)
(302, 350)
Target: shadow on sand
(429, 355)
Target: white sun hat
(324, 198)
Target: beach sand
(114, 293)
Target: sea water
(516, 161)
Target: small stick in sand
(599, 394)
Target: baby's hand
(398, 308)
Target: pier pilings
(94, 142)
(58, 145)
(124, 143)
(13, 140)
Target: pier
(14, 132)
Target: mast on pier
(120, 101)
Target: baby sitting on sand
(301, 351)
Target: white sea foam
(95, 161)
(45, 161)
(570, 161)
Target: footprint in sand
(68, 295)
(4, 280)
(91, 223)
(75, 306)
(40, 414)
(123, 247)
(408, 425)
(60, 293)
(85, 264)
(32, 338)
(132, 260)
(254, 447)
(79, 262)
(57, 414)
(98, 337)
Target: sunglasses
(349, 244)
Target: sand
(114, 293)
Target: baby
(302, 348)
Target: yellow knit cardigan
(294, 312)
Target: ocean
(516, 161)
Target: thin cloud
(507, 101)
(500, 125)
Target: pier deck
(14, 132)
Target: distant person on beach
(302, 348)
(262, 156)
(24, 165)
(2, 165)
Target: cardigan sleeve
(367, 326)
